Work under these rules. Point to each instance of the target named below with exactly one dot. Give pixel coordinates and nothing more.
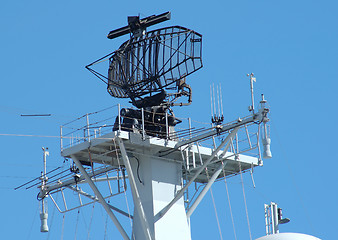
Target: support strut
(100, 198)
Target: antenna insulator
(44, 226)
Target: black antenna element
(155, 63)
(36, 115)
(134, 23)
(151, 69)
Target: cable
(52, 219)
(232, 217)
(52, 177)
(84, 219)
(63, 225)
(35, 179)
(106, 224)
(213, 201)
(246, 207)
(44, 136)
(30, 230)
(137, 169)
(125, 194)
(26, 135)
(91, 220)
(293, 179)
(219, 226)
(77, 222)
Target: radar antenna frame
(151, 69)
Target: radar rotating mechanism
(151, 69)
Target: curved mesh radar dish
(154, 62)
(151, 67)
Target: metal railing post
(88, 132)
(237, 142)
(189, 121)
(248, 136)
(190, 136)
(119, 116)
(143, 134)
(260, 161)
(166, 126)
(61, 142)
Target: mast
(252, 80)
(44, 179)
(161, 161)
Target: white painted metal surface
(288, 236)
(142, 218)
(160, 171)
(44, 179)
(103, 151)
(159, 182)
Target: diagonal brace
(226, 141)
(137, 200)
(100, 198)
(205, 190)
(96, 199)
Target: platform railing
(88, 126)
(96, 124)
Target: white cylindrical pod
(44, 226)
(266, 148)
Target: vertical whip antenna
(218, 102)
(216, 111)
(213, 93)
(220, 89)
(212, 112)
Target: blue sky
(291, 46)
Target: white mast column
(161, 181)
(157, 181)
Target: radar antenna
(151, 68)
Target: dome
(288, 236)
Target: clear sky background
(291, 46)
